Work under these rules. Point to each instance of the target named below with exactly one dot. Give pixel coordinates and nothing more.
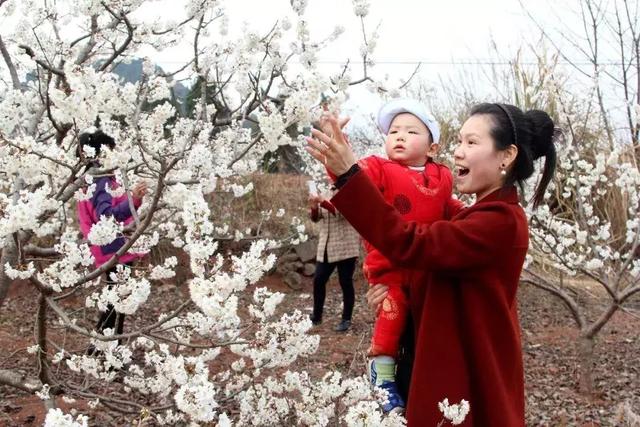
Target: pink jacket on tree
(103, 204)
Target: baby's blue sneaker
(395, 402)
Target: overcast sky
(451, 38)
(411, 31)
(447, 37)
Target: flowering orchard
(587, 235)
(585, 238)
(203, 361)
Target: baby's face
(409, 141)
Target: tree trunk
(586, 358)
(9, 255)
(41, 334)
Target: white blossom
(23, 274)
(43, 393)
(197, 400)
(164, 271)
(361, 7)
(105, 231)
(127, 294)
(189, 162)
(454, 413)
(33, 349)
(56, 418)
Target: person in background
(104, 202)
(338, 247)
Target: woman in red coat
(463, 297)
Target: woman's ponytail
(543, 132)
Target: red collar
(508, 195)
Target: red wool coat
(463, 300)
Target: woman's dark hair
(533, 132)
(95, 140)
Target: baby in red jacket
(420, 189)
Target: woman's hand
(314, 201)
(335, 153)
(139, 190)
(375, 295)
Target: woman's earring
(503, 171)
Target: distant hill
(132, 72)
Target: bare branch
(629, 292)
(42, 156)
(33, 250)
(9, 256)
(12, 68)
(571, 304)
(40, 62)
(168, 30)
(415, 71)
(86, 50)
(82, 331)
(117, 52)
(41, 337)
(599, 323)
(558, 49)
(13, 378)
(173, 73)
(109, 399)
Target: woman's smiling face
(478, 163)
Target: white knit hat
(405, 105)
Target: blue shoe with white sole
(395, 402)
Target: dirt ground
(548, 340)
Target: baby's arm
(453, 207)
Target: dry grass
(271, 193)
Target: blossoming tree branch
(203, 360)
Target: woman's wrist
(344, 178)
